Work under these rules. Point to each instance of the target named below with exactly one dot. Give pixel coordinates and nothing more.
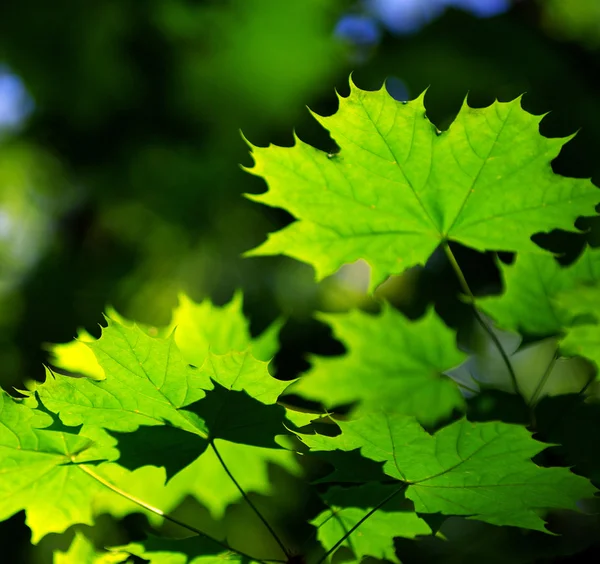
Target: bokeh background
(120, 148)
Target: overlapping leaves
(482, 470)
(43, 469)
(396, 190)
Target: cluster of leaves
(144, 418)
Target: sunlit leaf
(480, 470)
(398, 187)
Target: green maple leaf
(239, 408)
(200, 327)
(241, 371)
(533, 283)
(42, 470)
(374, 537)
(206, 480)
(398, 187)
(147, 383)
(82, 551)
(203, 326)
(391, 362)
(480, 470)
(191, 550)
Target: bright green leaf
(391, 362)
(82, 551)
(147, 383)
(375, 536)
(206, 480)
(76, 357)
(201, 327)
(192, 550)
(398, 187)
(41, 469)
(480, 470)
(239, 371)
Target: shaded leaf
(532, 285)
(206, 480)
(583, 337)
(391, 362)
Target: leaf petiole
(164, 515)
(467, 290)
(361, 521)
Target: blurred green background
(120, 148)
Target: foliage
(391, 443)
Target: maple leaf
(398, 187)
(43, 470)
(374, 537)
(82, 551)
(532, 284)
(200, 327)
(480, 470)
(206, 480)
(191, 550)
(149, 384)
(203, 326)
(583, 337)
(391, 362)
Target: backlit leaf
(398, 187)
(480, 470)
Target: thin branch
(465, 286)
(249, 502)
(361, 521)
(162, 514)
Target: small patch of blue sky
(481, 8)
(360, 30)
(409, 16)
(15, 102)
(397, 88)
(405, 16)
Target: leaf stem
(465, 286)
(361, 521)
(542, 382)
(249, 501)
(162, 514)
